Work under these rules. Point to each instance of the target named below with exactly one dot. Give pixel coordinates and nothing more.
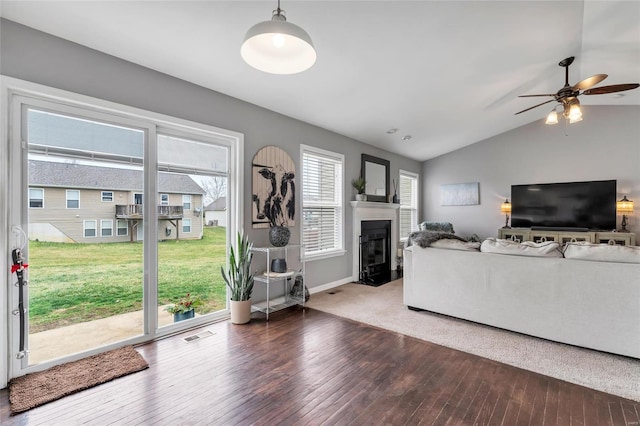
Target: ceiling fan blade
(611, 89)
(535, 106)
(531, 96)
(590, 82)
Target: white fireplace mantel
(367, 210)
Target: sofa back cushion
(602, 252)
(526, 248)
(450, 244)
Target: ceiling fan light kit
(278, 46)
(567, 96)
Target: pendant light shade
(278, 46)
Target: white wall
(605, 145)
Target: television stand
(559, 228)
(563, 237)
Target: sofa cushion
(602, 252)
(456, 245)
(527, 248)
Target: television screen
(589, 205)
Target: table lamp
(506, 209)
(624, 207)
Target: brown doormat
(35, 389)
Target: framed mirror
(375, 172)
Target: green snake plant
(239, 278)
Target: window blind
(321, 202)
(408, 204)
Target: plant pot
(181, 316)
(240, 311)
(279, 236)
(361, 197)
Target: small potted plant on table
(184, 308)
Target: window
(322, 202)
(73, 199)
(186, 202)
(90, 228)
(186, 225)
(36, 198)
(408, 203)
(164, 199)
(122, 228)
(106, 228)
(107, 196)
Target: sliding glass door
(120, 218)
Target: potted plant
(359, 184)
(239, 279)
(184, 308)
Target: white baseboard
(328, 286)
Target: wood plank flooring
(309, 367)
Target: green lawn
(73, 283)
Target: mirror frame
(363, 172)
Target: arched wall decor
(273, 200)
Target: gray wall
(41, 58)
(605, 145)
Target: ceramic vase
(279, 236)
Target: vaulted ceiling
(448, 73)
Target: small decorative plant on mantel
(239, 279)
(184, 308)
(359, 184)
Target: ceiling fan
(568, 95)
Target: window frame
(41, 199)
(415, 203)
(84, 228)
(102, 196)
(162, 199)
(339, 250)
(184, 220)
(125, 227)
(67, 199)
(186, 196)
(102, 228)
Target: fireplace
(366, 211)
(375, 251)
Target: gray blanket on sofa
(426, 238)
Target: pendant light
(278, 46)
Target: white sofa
(591, 304)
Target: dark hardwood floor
(309, 367)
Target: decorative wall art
(459, 194)
(273, 200)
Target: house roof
(68, 175)
(219, 204)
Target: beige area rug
(33, 390)
(382, 307)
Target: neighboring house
(91, 204)
(215, 213)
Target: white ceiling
(445, 72)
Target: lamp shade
(505, 207)
(278, 47)
(624, 206)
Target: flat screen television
(580, 205)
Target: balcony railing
(134, 211)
